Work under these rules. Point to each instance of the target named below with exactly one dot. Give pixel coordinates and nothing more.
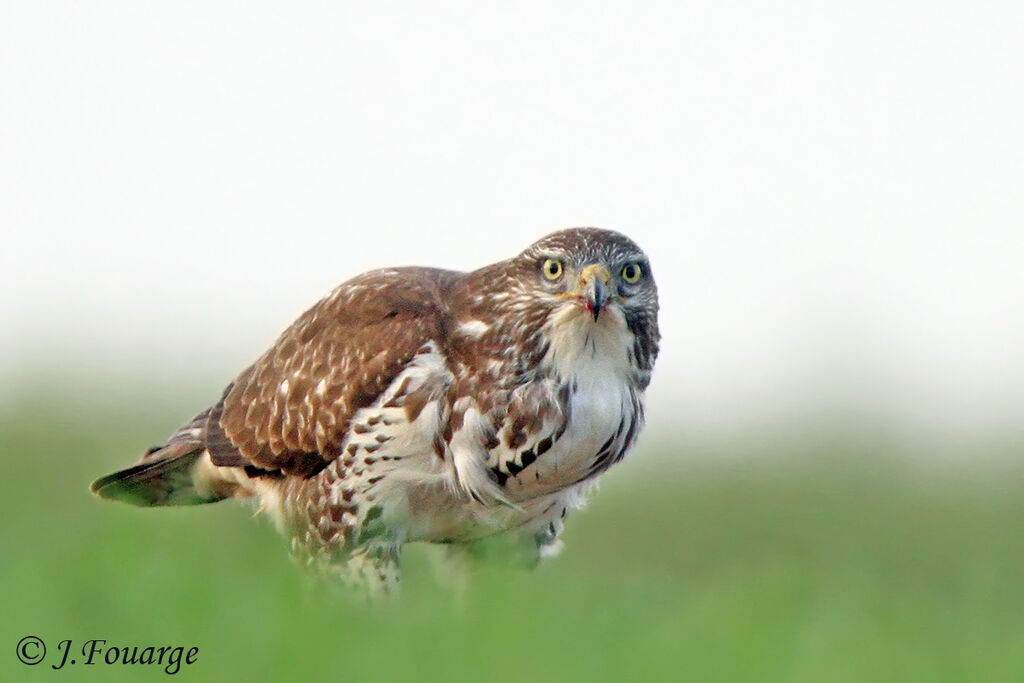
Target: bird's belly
(601, 411)
(437, 515)
(596, 415)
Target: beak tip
(594, 288)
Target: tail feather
(165, 477)
(177, 473)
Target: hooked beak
(595, 288)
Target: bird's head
(589, 287)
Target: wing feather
(290, 410)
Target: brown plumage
(424, 404)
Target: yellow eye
(631, 272)
(552, 269)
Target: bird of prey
(418, 404)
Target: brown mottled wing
(290, 410)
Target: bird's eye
(552, 269)
(631, 272)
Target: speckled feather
(291, 409)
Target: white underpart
(208, 478)
(593, 357)
(551, 549)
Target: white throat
(583, 349)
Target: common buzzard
(417, 404)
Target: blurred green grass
(825, 560)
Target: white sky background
(832, 194)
